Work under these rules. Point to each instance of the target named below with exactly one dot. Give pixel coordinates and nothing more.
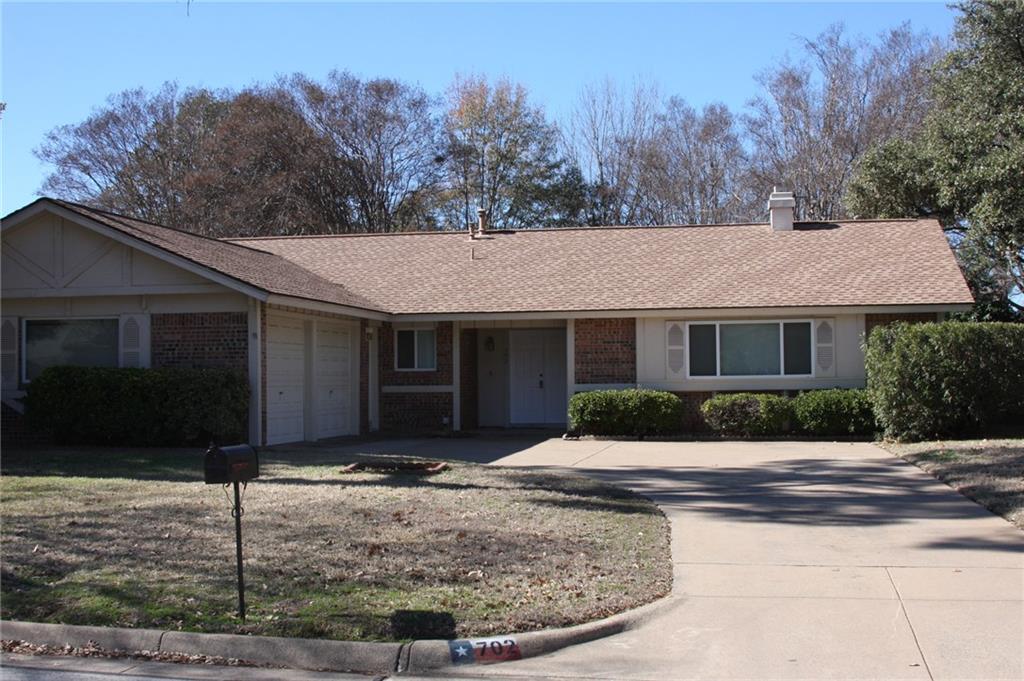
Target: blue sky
(59, 61)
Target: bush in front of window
(949, 379)
(139, 407)
(748, 414)
(630, 412)
(834, 412)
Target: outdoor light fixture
(489, 344)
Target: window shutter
(825, 347)
(9, 353)
(134, 338)
(675, 351)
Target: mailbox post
(233, 465)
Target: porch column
(570, 358)
(456, 376)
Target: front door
(537, 373)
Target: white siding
(652, 366)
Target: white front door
(335, 414)
(537, 376)
(286, 379)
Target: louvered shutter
(825, 347)
(9, 353)
(134, 337)
(675, 356)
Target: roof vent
(780, 209)
(481, 221)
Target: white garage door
(286, 385)
(335, 413)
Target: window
(76, 342)
(749, 349)
(415, 349)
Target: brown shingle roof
(258, 268)
(856, 263)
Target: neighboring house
(340, 335)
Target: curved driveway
(799, 560)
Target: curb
(318, 654)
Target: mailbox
(237, 463)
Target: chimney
(780, 210)
(481, 221)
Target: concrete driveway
(797, 560)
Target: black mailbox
(237, 463)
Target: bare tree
(818, 116)
(385, 139)
(693, 170)
(501, 155)
(133, 154)
(608, 138)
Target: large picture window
(76, 342)
(749, 349)
(415, 349)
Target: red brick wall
(200, 339)
(440, 376)
(873, 320)
(263, 372)
(605, 350)
(415, 412)
(469, 381)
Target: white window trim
(415, 348)
(24, 337)
(718, 350)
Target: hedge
(746, 414)
(633, 411)
(141, 407)
(834, 412)
(948, 379)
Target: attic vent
(674, 345)
(135, 341)
(824, 335)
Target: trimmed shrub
(834, 412)
(949, 379)
(141, 407)
(635, 411)
(746, 414)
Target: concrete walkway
(799, 560)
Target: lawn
(134, 538)
(991, 472)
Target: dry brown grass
(133, 538)
(990, 472)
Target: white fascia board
(688, 313)
(140, 245)
(320, 306)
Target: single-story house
(348, 334)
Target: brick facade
(873, 320)
(442, 375)
(469, 382)
(415, 412)
(194, 340)
(605, 350)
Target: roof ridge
(577, 228)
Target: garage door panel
(334, 380)
(286, 384)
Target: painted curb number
(484, 650)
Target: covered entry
(522, 377)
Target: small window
(75, 342)
(416, 349)
(796, 338)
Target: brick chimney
(780, 210)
